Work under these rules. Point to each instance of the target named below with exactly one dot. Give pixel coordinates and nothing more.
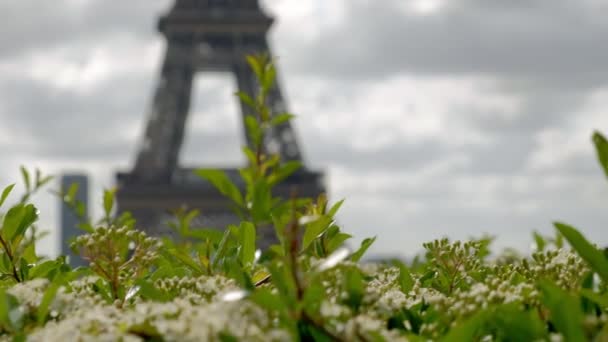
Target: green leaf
(222, 183)
(86, 226)
(469, 330)
(356, 256)
(540, 242)
(284, 171)
(108, 201)
(149, 291)
(284, 284)
(314, 229)
(5, 193)
(245, 173)
(40, 181)
(30, 215)
(261, 201)
(406, 282)
(17, 220)
(336, 241)
(248, 237)
(246, 99)
(169, 271)
(334, 208)
(593, 256)
(565, 311)
(11, 315)
(314, 294)
(221, 248)
(12, 220)
(601, 146)
(146, 331)
(26, 178)
(4, 308)
(268, 77)
(601, 300)
(279, 119)
(225, 336)
(71, 192)
(268, 300)
(255, 65)
(254, 130)
(47, 299)
(310, 332)
(43, 269)
(29, 252)
(354, 287)
(186, 259)
(213, 235)
(509, 322)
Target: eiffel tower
(203, 35)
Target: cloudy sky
(431, 117)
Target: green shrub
(214, 285)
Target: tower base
(152, 203)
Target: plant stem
(10, 258)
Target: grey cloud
(30, 25)
(49, 122)
(549, 40)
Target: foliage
(210, 284)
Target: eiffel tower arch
(203, 36)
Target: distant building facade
(69, 221)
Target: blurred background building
(68, 225)
(204, 36)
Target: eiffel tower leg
(164, 135)
(283, 134)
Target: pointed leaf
(406, 282)
(30, 215)
(149, 291)
(334, 208)
(246, 99)
(593, 256)
(356, 256)
(222, 183)
(268, 77)
(247, 243)
(5, 193)
(539, 241)
(47, 300)
(71, 192)
(354, 286)
(255, 65)
(565, 311)
(601, 146)
(337, 241)
(26, 178)
(186, 260)
(12, 221)
(108, 201)
(601, 300)
(469, 330)
(279, 119)
(221, 248)
(284, 171)
(314, 230)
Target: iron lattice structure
(202, 36)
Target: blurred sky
(431, 117)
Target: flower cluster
(120, 255)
